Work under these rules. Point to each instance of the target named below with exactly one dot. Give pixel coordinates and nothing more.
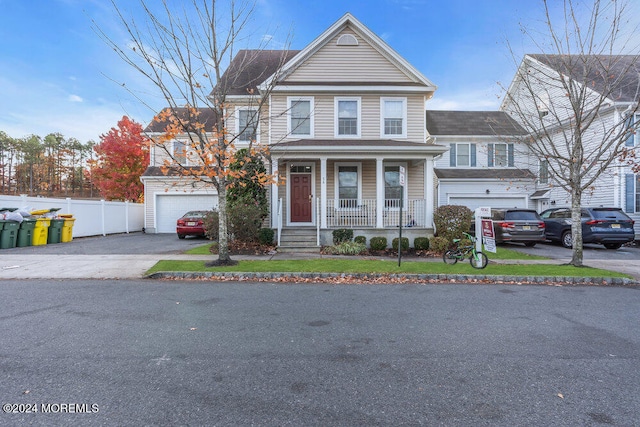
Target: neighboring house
(485, 165)
(618, 186)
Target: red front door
(300, 197)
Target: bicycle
(477, 259)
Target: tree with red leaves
(122, 157)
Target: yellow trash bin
(67, 230)
(41, 231)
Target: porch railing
(356, 213)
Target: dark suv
(518, 225)
(608, 226)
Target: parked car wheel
(567, 239)
(181, 236)
(530, 244)
(612, 245)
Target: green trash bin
(25, 233)
(9, 234)
(55, 231)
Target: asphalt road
(149, 352)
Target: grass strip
(502, 253)
(348, 265)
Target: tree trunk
(576, 227)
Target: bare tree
(183, 53)
(578, 96)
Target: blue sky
(57, 75)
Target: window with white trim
(179, 152)
(247, 124)
(348, 119)
(543, 176)
(632, 140)
(461, 155)
(392, 187)
(393, 117)
(632, 193)
(300, 116)
(348, 186)
(500, 155)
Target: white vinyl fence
(93, 217)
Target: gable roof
(207, 117)
(373, 39)
(472, 123)
(249, 68)
(593, 70)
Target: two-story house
(346, 128)
(611, 92)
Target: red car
(191, 224)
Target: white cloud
(75, 98)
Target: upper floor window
(179, 152)
(500, 155)
(393, 112)
(462, 155)
(347, 117)
(543, 176)
(300, 117)
(247, 124)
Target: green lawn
(503, 253)
(352, 265)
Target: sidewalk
(110, 266)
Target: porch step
(298, 240)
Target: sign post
(484, 230)
(402, 182)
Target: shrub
(378, 243)
(245, 216)
(360, 239)
(347, 248)
(421, 243)
(439, 244)
(211, 225)
(405, 244)
(265, 236)
(342, 235)
(451, 221)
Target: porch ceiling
(363, 148)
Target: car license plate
(615, 225)
(526, 227)
(191, 223)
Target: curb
(396, 278)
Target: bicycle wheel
(483, 260)
(450, 257)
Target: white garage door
(170, 207)
(491, 202)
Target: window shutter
(452, 155)
(510, 155)
(629, 192)
(490, 155)
(630, 139)
(472, 151)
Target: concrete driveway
(116, 256)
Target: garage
(515, 201)
(170, 207)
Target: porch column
(379, 192)
(323, 192)
(274, 193)
(429, 192)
